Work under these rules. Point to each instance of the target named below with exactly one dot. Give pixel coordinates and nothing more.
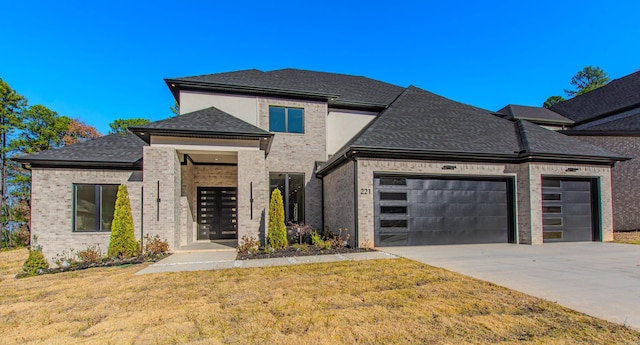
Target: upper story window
(286, 120)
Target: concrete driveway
(598, 279)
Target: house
(610, 118)
(393, 165)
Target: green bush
(35, 262)
(277, 231)
(122, 243)
(155, 246)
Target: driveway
(598, 279)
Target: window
(286, 120)
(93, 206)
(292, 188)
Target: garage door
(421, 210)
(568, 210)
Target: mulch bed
(106, 262)
(297, 251)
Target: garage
(415, 210)
(569, 209)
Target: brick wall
(251, 173)
(338, 200)
(625, 179)
(52, 205)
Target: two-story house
(393, 165)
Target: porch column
(252, 179)
(162, 181)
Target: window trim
(285, 197)
(98, 202)
(286, 119)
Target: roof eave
(47, 163)
(175, 85)
(579, 132)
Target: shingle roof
(210, 120)
(621, 125)
(109, 150)
(419, 119)
(425, 125)
(347, 88)
(537, 115)
(538, 140)
(616, 96)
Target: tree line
(26, 129)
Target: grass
(630, 237)
(369, 302)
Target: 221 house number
(365, 191)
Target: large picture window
(286, 120)
(93, 206)
(292, 188)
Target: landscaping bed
(298, 250)
(630, 237)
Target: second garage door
(427, 210)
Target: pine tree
(277, 235)
(122, 243)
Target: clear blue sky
(102, 60)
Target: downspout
(142, 217)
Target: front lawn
(631, 237)
(366, 302)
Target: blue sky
(99, 61)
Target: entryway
(217, 213)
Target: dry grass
(631, 237)
(371, 302)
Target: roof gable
(206, 121)
(537, 115)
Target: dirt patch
(299, 251)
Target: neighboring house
(610, 118)
(393, 165)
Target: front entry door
(217, 213)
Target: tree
(175, 108)
(122, 243)
(41, 129)
(553, 100)
(79, 131)
(11, 106)
(589, 78)
(120, 126)
(277, 235)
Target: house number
(365, 191)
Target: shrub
(299, 233)
(122, 243)
(318, 240)
(36, 263)
(91, 254)
(65, 259)
(248, 244)
(277, 232)
(155, 246)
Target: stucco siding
(242, 107)
(625, 179)
(342, 125)
(52, 205)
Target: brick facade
(52, 202)
(625, 179)
(339, 200)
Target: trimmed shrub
(277, 231)
(35, 262)
(155, 246)
(122, 243)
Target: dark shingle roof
(537, 115)
(622, 125)
(542, 141)
(419, 119)
(616, 96)
(109, 150)
(424, 125)
(347, 88)
(210, 120)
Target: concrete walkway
(225, 259)
(598, 279)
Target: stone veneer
(528, 190)
(297, 153)
(339, 200)
(625, 179)
(52, 202)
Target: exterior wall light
(572, 169)
(448, 167)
